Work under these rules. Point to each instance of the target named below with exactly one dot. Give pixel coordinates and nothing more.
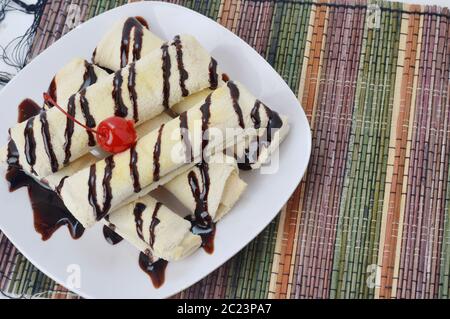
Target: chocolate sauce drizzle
(132, 90)
(89, 76)
(183, 73)
(48, 209)
(90, 121)
(213, 77)
(94, 54)
(234, 92)
(201, 222)
(142, 21)
(133, 169)
(107, 191)
(157, 154)
(52, 89)
(136, 24)
(166, 65)
(60, 185)
(120, 107)
(155, 269)
(185, 138)
(30, 144)
(110, 235)
(155, 221)
(138, 210)
(274, 123)
(206, 114)
(69, 130)
(27, 109)
(48, 142)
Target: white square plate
(113, 271)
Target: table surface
(371, 217)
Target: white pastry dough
(108, 51)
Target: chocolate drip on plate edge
(155, 269)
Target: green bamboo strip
(390, 54)
(444, 271)
(274, 33)
(357, 209)
(372, 153)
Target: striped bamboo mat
(370, 218)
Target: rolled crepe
(127, 41)
(76, 75)
(222, 187)
(154, 161)
(258, 146)
(48, 142)
(152, 227)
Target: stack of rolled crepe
(153, 92)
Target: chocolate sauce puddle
(49, 211)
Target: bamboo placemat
(370, 218)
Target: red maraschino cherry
(114, 134)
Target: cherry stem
(49, 99)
